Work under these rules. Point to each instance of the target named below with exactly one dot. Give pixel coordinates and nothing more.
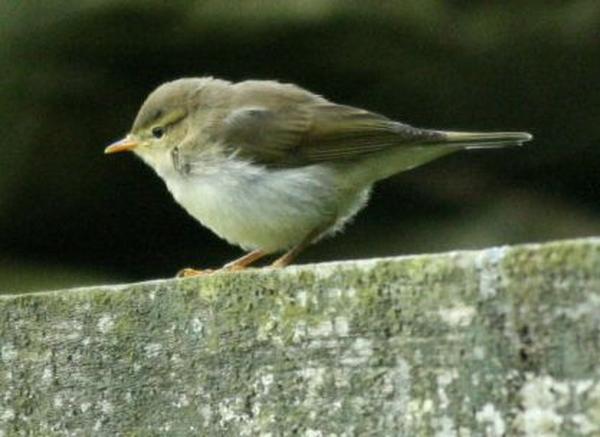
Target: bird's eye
(158, 132)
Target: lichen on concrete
(496, 342)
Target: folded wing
(281, 133)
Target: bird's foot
(279, 263)
(193, 273)
(232, 268)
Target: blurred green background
(75, 73)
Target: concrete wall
(504, 341)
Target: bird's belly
(271, 210)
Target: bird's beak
(124, 145)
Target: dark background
(75, 73)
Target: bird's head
(161, 123)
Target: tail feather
(484, 140)
(426, 146)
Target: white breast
(258, 208)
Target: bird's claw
(193, 273)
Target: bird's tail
(432, 145)
(484, 140)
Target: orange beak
(124, 145)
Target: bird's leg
(251, 257)
(244, 261)
(233, 266)
(290, 255)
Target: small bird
(272, 167)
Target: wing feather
(315, 132)
(284, 125)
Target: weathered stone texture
(504, 341)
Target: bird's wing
(282, 125)
(314, 132)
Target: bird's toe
(192, 273)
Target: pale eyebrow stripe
(168, 118)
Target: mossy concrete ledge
(504, 341)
